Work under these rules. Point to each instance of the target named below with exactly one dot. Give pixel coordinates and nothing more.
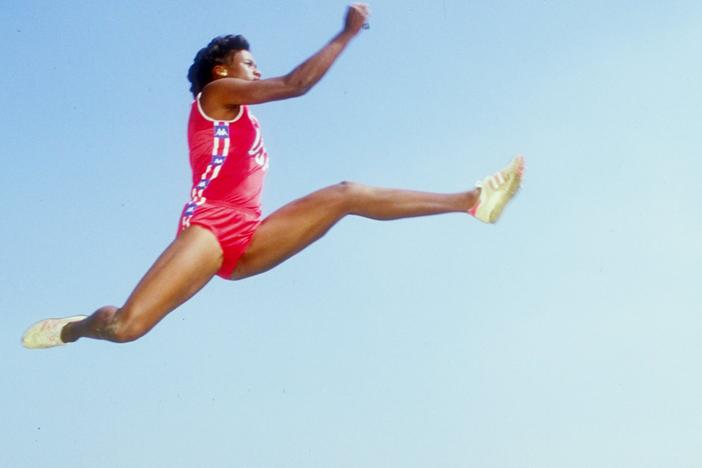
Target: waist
(254, 209)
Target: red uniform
(229, 163)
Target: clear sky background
(567, 335)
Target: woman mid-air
(220, 230)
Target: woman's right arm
(235, 91)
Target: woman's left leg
(183, 268)
(295, 226)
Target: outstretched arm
(236, 91)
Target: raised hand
(356, 17)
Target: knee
(347, 187)
(350, 192)
(126, 326)
(354, 195)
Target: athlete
(220, 231)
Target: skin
(195, 256)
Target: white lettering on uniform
(257, 150)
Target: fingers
(363, 10)
(357, 17)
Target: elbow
(302, 90)
(298, 86)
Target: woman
(220, 231)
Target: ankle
(473, 197)
(68, 334)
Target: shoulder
(212, 104)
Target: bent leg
(295, 226)
(182, 269)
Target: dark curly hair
(216, 53)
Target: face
(241, 65)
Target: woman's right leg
(183, 269)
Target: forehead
(241, 56)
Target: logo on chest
(257, 150)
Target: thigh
(183, 268)
(292, 228)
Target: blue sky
(565, 336)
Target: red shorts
(233, 227)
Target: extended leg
(296, 225)
(183, 269)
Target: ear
(219, 70)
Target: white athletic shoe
(498, 189)
(47, 333)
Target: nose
(257, 74)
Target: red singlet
(229, 163)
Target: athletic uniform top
(228, 161)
